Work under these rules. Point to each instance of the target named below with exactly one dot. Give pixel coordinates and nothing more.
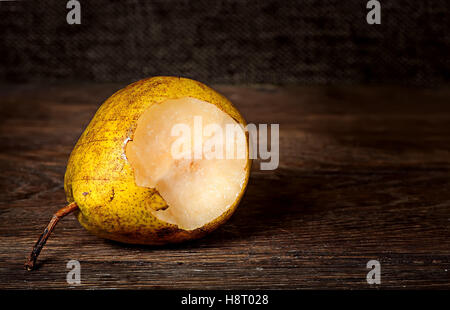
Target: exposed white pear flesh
(199, 175)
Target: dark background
(237, 42)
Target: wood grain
(364, 174)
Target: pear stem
(30, 264)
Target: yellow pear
(141, 171)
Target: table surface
(363, 175)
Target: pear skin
(100, 182)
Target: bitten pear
(124, 181)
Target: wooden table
(364, 174)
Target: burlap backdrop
(265, 41)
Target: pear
(124, 181)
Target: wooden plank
(364, 174)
